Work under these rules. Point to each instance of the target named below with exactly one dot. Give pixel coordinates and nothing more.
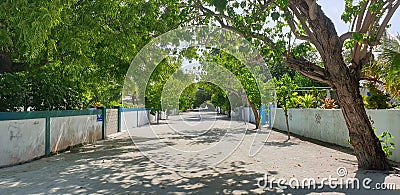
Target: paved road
(173, 161)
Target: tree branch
(307, 68)
(265, 5)
(310, 34)
(345, 36)
(370, 23)
(386, 20)
(371, 79)
(314, 77)
(312, 6)
(293, 28)
(360, 17)
(217, 16)
(368, 20)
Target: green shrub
(41, 89)
(387, 145)
(307, 101)
(377, 99)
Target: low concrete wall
(23, 134)
(21, 140)
(132, 119)
(143, 118)
(73, 130)
(328, 125)
(112, 121)
(248, 115)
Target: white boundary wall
(24, 140)
(248, 115)
(21, 140)
(132, 119)
(73, 130)
(328, 125)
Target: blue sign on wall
(99, 117)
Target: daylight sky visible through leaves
(334, 9)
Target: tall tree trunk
(5, 62)
(343, 78)
(287, 123)
(256, 115)
(367, 147)
(7, 65)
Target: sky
(334, 9)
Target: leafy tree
(219, 97)
(98, 33)
(171, 89)
(383, 71)
(46, 88)
(385, 68)
(286, 97)
(201, 97)
(158, 79)
(187, 97)
(239, 83)
(302, 81)
(264, 22)
(89, 43)
(390, 56)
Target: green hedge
(40, 91)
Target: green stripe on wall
(5, 116)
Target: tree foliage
(384, 69)
(265, 23)
(286, 97)
(51, 88)
(89, 44)
(376, 98)
(201, 97)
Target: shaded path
(116, 166)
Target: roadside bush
(377, 99)
(15, 92)
(40, 90)
(307, 101)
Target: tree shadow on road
(117, 167)
(280, 143)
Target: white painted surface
(73, 130)
(128, 120)
(388, 120)
(21, 140)
(248, 115)
(143, 118)
(328, 125)
(24, 140)
(132, 119)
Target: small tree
(285, 97)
